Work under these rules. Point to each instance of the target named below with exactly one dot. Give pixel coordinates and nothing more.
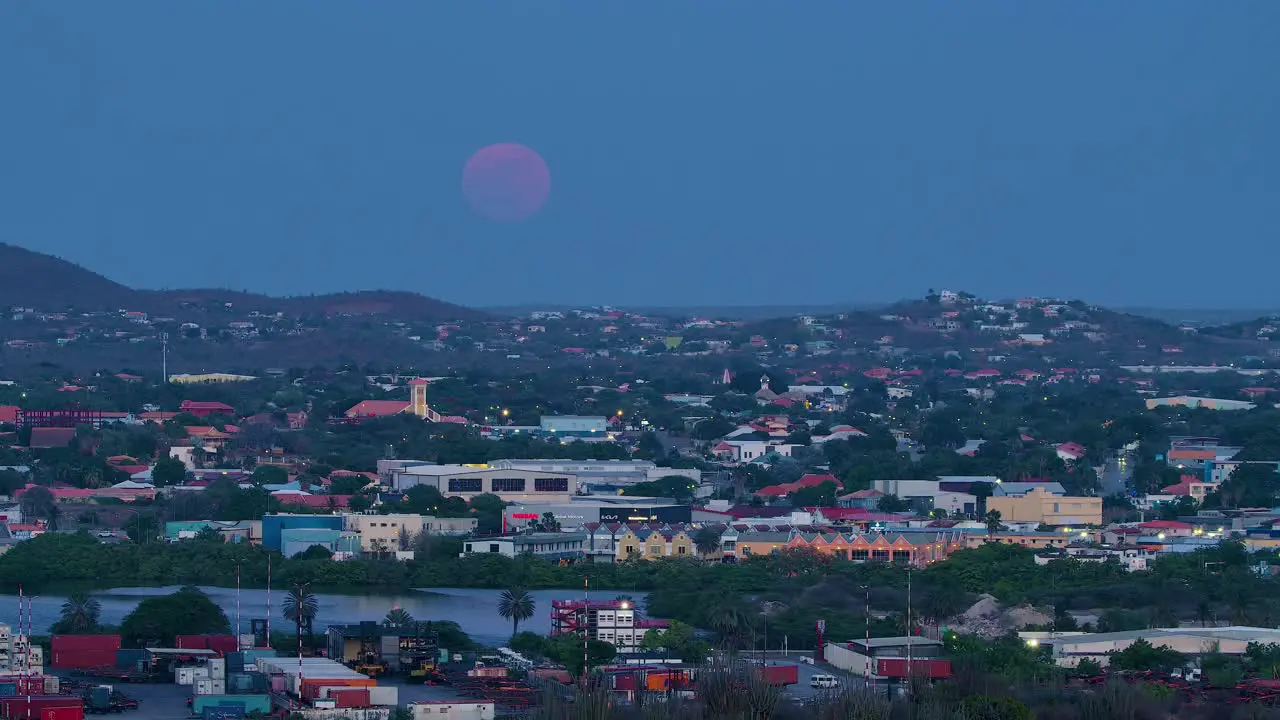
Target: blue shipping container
(224, 712)
(250, 703)
(130, 659)
(8, 689)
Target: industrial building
(295, 534)
(891, 659)
(579, 511)
(468, 481)
(1068, 649)
(574, 425)
(373, 648)
(602, 475)
(616, 622)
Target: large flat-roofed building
(582, 425)
(600, 509)
(468, 481)
(546, 545)
(602, 475)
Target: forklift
(369, 661)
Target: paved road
(1115, 476)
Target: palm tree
(992, 519)
(707, 541)
(515, 605)
(300, 607)
(398, 617)
(80, 614)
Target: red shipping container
(350, 698)
(218, 643)
(83, 651)
(62, 713)
(34, 707)
(897, 668)
(780, 674)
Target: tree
(706, 541)
(161, 619)
(168, 472)
(37, 502)
(546, 523)
(398, 617)
(892, 504)
(270, 475)
(79, 614)
(1142, 655)
(515, 605)
(992, 519)
(821, 495)
(300, 607)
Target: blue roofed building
(339, 543)
(273, 525)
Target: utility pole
(164, 357)
(866, 614)
(910, 635)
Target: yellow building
(1039, 505)
(649, 544)
(386, 533)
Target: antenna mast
(164, 356)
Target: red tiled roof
(377, 408)
(1165, 525)
(188, 405)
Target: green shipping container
(251, 703)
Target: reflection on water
(476, 611)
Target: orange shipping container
(311, 686)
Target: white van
(824, 681)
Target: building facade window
(551, 484)
(507, 484)
(466, 485)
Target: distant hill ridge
(45, 282)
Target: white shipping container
(184, 675)
(204, 687)
(246, 640)
(324, 704)
(199, 672)
(217, 668)
(384, 695)
(51, 685)
(219, 687)
(461, 710)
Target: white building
(549, 546)
(468, 481)
(1069, 649)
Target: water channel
(475, 611)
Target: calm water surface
(476, 611)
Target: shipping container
(62, 713)
(8, 689)
(218, 643)
(779, 674)
(499, 671)
(130, 659)
(454, 710)
(249, 703)
(897, 668)
(311, 686)
(209, 686)
(349, 698)
(384, 695)
(83, 651)
(217, 668)
(36, 705)
(247, 682)
(224, 712)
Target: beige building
(387, 533)
(1043, 506)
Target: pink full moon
(506, 182)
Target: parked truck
(779, 674)
(102, 699)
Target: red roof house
(205, 409)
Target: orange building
(914, 547)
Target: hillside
(47, 283)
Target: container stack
(324, 683)
(229, 707)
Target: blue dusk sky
(711, 152)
